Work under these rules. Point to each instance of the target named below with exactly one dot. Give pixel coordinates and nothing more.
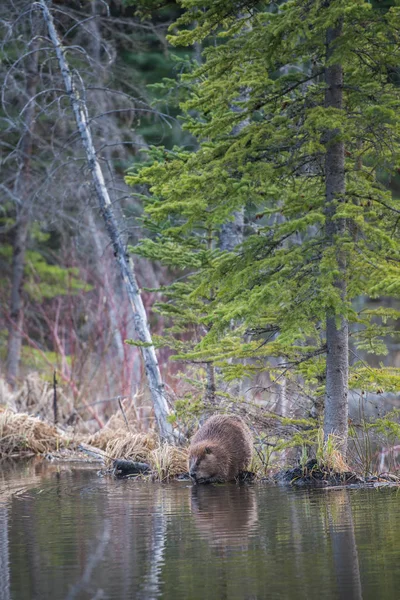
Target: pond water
(66, 533)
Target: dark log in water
(123, 468)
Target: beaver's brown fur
(220, 449)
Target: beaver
(220, 449)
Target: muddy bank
(123, 453)
(313, 474)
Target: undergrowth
(279, 442)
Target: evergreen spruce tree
(316, 83)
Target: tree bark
(16, 307)
(23, 209)
(336, 402)
(125, 263)
(211, 388)
(232, 232)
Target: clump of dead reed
(131, 446)
(21, 434)
(165, 461)
(168, 461)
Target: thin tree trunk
(22, 192)
(211, 388)
(232, 232)
(336, 402)
(125, 263)
(231, 235)
(16, 308)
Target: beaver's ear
(208, 450)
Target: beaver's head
(207, 463)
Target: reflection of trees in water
(86, 582)
(224, 515)
(344, 547)
(157, 536)
(4, 562)
(57, 541)
(177, 541)
(323, 537)
(279, 542)
(203, 541)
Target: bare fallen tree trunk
(126, 266)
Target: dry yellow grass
(168, 461)
(102, 438)
(131, 446)
(21, 433)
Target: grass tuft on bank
(22, 434)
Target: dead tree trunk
(336, 403)
(23, 209)
(125, 263)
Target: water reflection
(157, 537)
(69, 534)
(224, 515)
(86, 581)
(4, 564)
(344, 547)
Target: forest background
(64, 306)
(59, 284)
